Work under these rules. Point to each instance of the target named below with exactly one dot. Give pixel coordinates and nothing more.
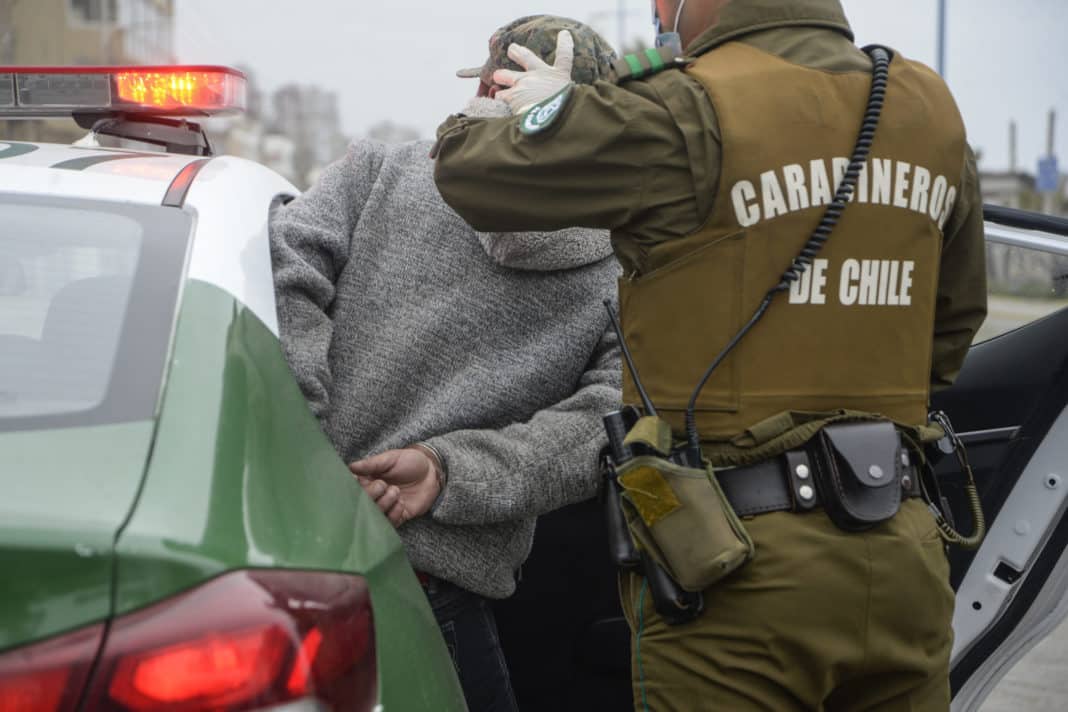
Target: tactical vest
(856, 331)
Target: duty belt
(786, 483)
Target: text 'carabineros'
(882, 181)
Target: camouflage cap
(594, 56)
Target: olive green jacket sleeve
(961, 303)
(641, 159)
(614, 158)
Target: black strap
(774, 485)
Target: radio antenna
(646, 403)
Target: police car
(176, 532)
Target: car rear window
(87, 299)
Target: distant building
(309, 116)
(1018, 190)
(1007, 189)
(1010, 270)
(7, 32)
(86, 31)
(71, 32)
(277, 153)
(295, 131)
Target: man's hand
(403, 483)
(540, 81)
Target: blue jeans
(470, 633)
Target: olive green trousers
(820, 619)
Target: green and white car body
(154, 443)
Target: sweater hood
(537, 251)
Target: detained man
(463, 374)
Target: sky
(396, 59)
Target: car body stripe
(179, 187)
(80, 164)
(10, 150)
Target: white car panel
(91, 174)
(231, 198)
(1045, 615)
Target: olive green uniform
(712, 175)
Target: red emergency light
(159, 90)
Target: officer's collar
(743, 17)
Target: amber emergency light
(174, 91)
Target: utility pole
(1052, 183)
(942, 38)
(1050, 129)
(621, 23)
(1012, 147)
(1014, 199)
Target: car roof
(88, 173)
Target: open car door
(565, 625)
(1009, 405)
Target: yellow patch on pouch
(650, 493)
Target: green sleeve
(615, 158)
(961, 303)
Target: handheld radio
(672, 602)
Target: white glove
(540, 81)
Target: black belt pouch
(858, 472)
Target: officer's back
(715, 170)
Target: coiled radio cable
(880, 57)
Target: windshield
(87, 295)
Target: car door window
(65, 278)
(87, 297)
(1024, 284)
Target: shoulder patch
(647, 63)
(544, 114)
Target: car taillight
(48, 676)
(243, 641)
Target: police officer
(712, 167)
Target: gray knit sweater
(402, 325)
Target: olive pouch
(858, 474)
(681, 518)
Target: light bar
(111, 91)
(7, 90)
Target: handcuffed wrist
(438, 462)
